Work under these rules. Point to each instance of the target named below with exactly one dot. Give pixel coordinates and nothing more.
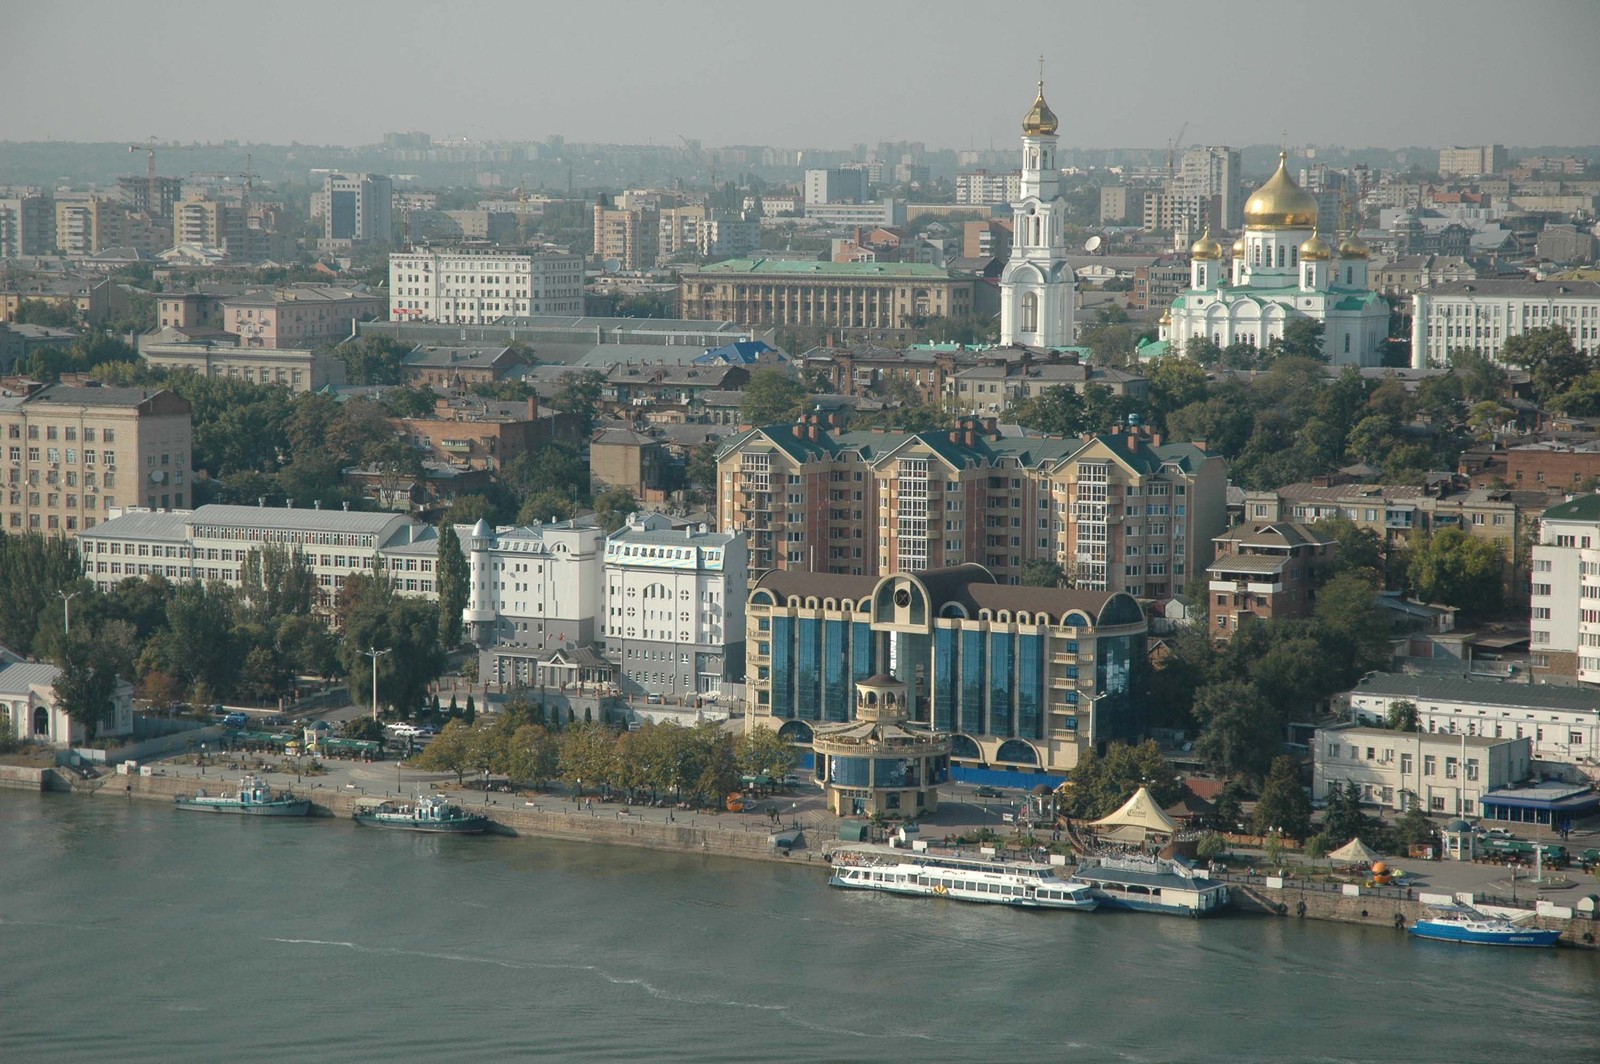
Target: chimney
(533, 407)
(1116, 430)
(955, 436)
(800, 430)
(972, 437)
(1199, 445)
(347, 506)
(814, 432)
(1155, 439)
(991, 425)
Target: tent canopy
(1138, 817)
(1355, 852)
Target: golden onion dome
(1166, 316)
(1316, 249)
(1353, 247)
(1280, 203)
(1040, 120)
(1206, 247)
(1238, 248)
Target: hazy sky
(817, 73)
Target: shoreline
(696, 834)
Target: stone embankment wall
(24, 778)
(604, 826)
(1262, 895)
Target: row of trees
(698, 764)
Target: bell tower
(1037, 288)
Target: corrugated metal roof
(16, 678)
(1477, 692)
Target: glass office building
(1019, 677)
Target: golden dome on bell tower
(1280, 203)
(1040, 120)
(1316, 249)
(1206, 247)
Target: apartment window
(1430, 765)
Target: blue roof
(738, 353)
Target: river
(135, 932)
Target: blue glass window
(1001, 693)
(944, 679)
(890, 772)
(837, 695)
(972, 682)
(1030, 686)
(850, 771)
(861, 656)
(783, 667)
(807, 670)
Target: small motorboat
(1463, 923)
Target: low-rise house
(1265, 570)
(30, 711)
(458, 367)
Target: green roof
(1584, 509)
(789, 267)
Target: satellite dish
(612, 265)
(1093, 244)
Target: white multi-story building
(980, 187)
(1481, 315)
(212, 543)
(674, 606)
(1562, 723)
(533, 586)
(1448, 774)
(471, 286)
(1564, 621)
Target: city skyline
(722, 74)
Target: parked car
(403, 731)
(1495, 833)
(427, 729)
(989, 792)
(322, 726)
(654, 700)
(235, 720)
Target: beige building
(208, 223)
(626, 235)
(297, 368)
(296, 315)
(843, 295)
(86, 224)
(1123, 512)
(73, 454)
(1448, 774)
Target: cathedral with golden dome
(1038, 290)
(1281, 269)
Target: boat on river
(253, 798)
(432, 813)
(1463, 923)
(1022, 884)
(1151, 884)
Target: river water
(137, 932)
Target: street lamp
(375, 654)
(66, 605)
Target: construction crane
(149, 148)
(1172, 148)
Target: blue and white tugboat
(431, 813)
(253, 798)
(1463, 923)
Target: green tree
(375, 616)
(1402, 716)
(1459, 569)
(450, 751)
(34, 571)
(1550, 358)
(1358, 548)
(1102, 782)
(372, 359)
(1344, 819)
(470, 714)
(613, 507)
(587, 755)
(87, 685)
(454, 577)
(1351, 626)
(532, 756)
(1041, 572)
(1241, 732)
(1056, 411)
(762, 752)
(197, 646)
(276, 582)
(771, 396)
(365, 729)
(578, 394)
(1413, 828)
(1174, 383)
(1283, 805)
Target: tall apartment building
(355, 209)
(209, 223)
(1206, 189)
(704, 232)
(1482, 314)
(1565, 606)
(674, 606)
(87, 223)
(1023, 678)
(1473, 162)
(981, 188)
(73, 455)
(152, 196)
(1123, 512)
(836, 186)
(213, 542)
(27, 226)
(475, 286)
(626, 235)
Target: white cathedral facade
(1281, 270)
(1037, 288)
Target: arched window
(1200, 276)
(1280, 255)
(1030, 313)
(1255, 254)
(1347, 343)
(1308, 276)
(1294, 256)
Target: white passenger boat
(1025, 884)
(1151, 884)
